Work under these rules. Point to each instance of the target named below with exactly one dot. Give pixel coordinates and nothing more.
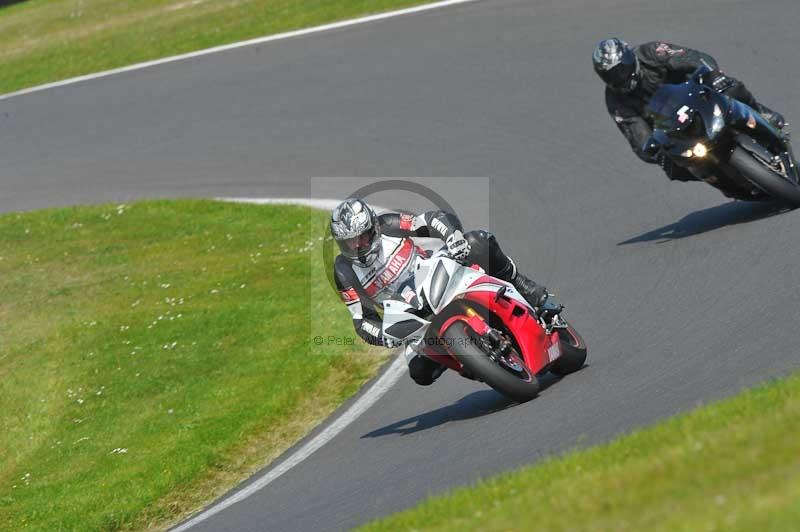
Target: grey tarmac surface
(682, 295)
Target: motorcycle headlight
(700, 150)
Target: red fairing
(531, 337)
(477, 324)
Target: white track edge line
(316, 203)
(240, 44)
(361, 405)
(370, 397)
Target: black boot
(773, 117)
(486, 252)
(535, 294)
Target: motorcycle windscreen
(687, 113)
(672, 107)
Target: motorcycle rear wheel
(573, 352)
(520, 387)
(764, 177)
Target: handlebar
(701, 71)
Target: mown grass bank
(152, 355)
(48, 40)
(732, 465)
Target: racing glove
(719, 81)
(457, 245)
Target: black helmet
(616, 64)
(354, 226)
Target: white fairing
(459, 281)
(395, 312)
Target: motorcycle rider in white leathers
(377, 261)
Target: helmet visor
(362, 245)
(622, 77)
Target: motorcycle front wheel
(764, 177)
(511, 378)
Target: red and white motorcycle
(481, 327)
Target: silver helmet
(355, 228)
(616, 64)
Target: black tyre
(519, 384)
(764, 177)
(573, 352)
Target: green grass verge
(48, 40)
(732, 465)
(152, 355)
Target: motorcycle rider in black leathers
(633, 74)
(377, 260)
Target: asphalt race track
(682, 295)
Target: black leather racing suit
(362, 288)
(664, 63)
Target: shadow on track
(476, 404)
(470, 406)
(710, 219)
(5, 3)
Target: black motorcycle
(723, 142)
